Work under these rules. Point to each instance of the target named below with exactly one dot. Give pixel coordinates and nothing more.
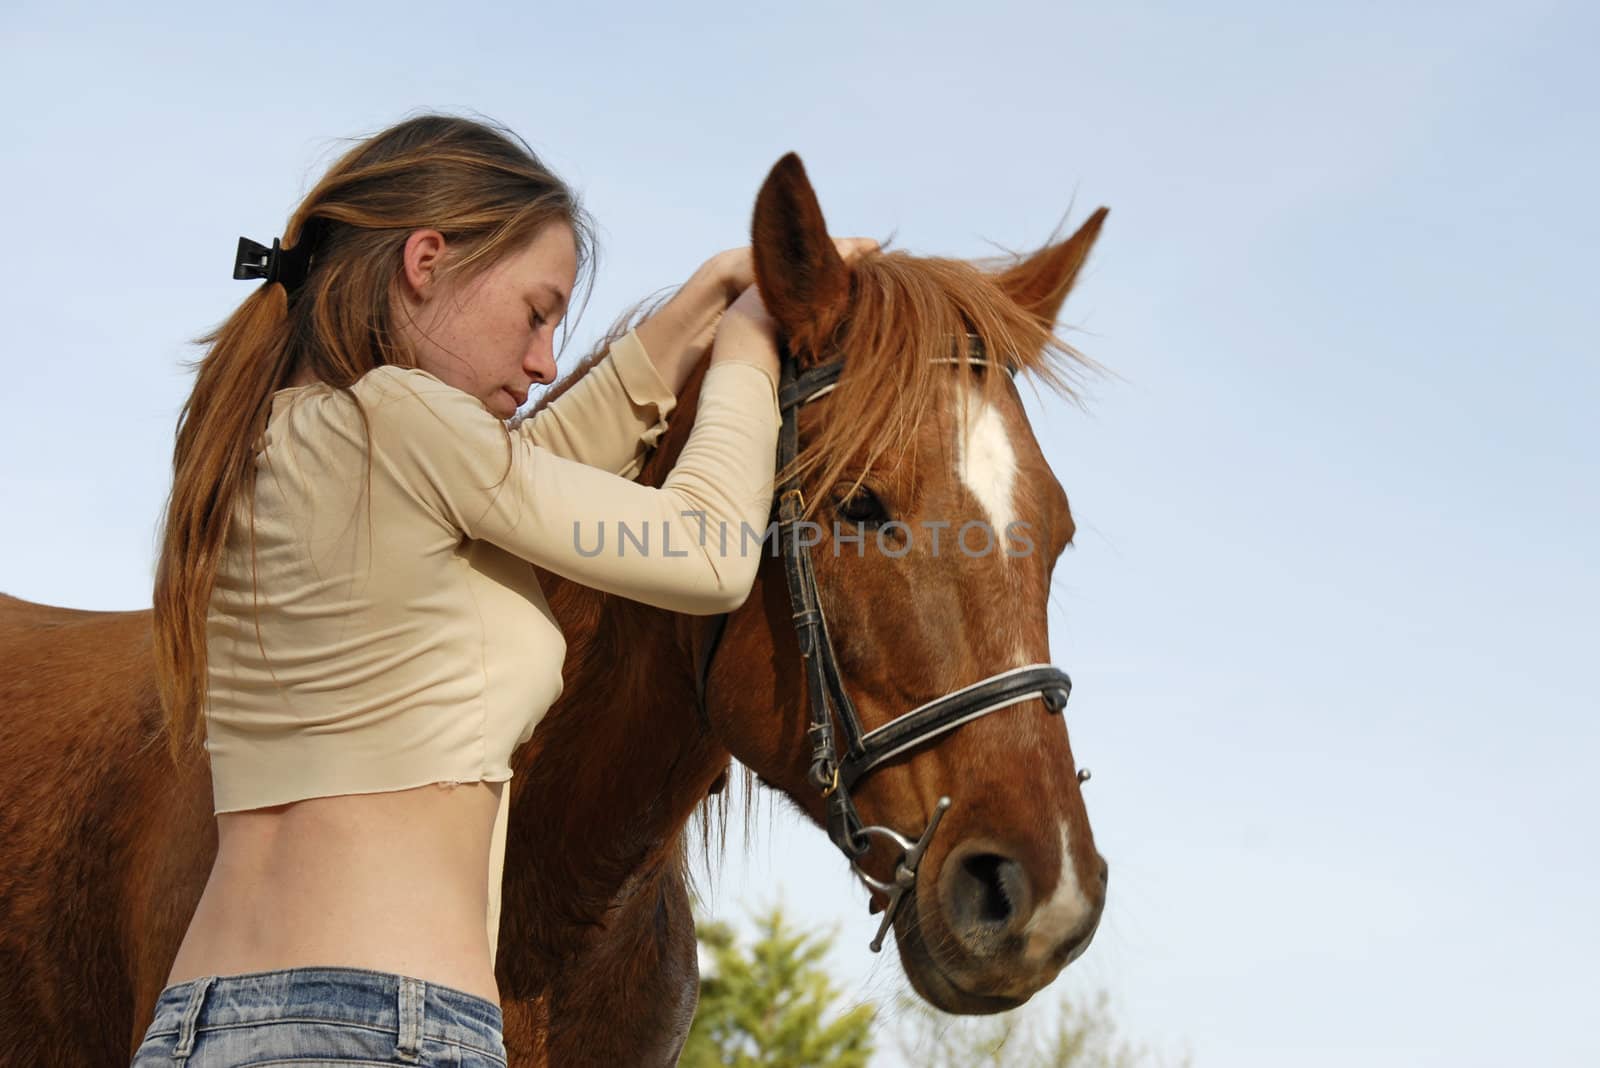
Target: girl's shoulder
(393, 402)
(390, 382)
(411, 401)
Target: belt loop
(191, 1016)
(412, 993)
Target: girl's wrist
(708, 289)
(730, 272)
(677, 336)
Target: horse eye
(862, 506)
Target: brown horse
(106, 847)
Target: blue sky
(1332, 611)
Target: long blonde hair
(477, 183)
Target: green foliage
(772, 1004)
(1068, 1035)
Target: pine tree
(772, 1004)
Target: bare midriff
(394, 881)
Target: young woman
(345, 614)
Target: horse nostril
(986, 891)
(989, 889)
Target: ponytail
(212, 464)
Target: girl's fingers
(850, 247)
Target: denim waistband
(409, 1006)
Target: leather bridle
(865, 751)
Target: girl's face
(494, 336)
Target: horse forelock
(905, 314)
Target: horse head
(930, 523)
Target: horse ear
(1041, 282)
(803, 280)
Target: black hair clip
(275, 264)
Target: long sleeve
(692, 545)
(612, 416)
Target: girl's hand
(735, 271)
(678, 334)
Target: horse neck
(613, 774)
(610, 779)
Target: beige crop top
(417, 647)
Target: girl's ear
(420, 261)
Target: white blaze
(1066, 910)
(987, 465)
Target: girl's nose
(540, 363)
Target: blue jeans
(321, 1016)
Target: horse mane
(896, 342)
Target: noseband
(865, 751)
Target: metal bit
(905, 872)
